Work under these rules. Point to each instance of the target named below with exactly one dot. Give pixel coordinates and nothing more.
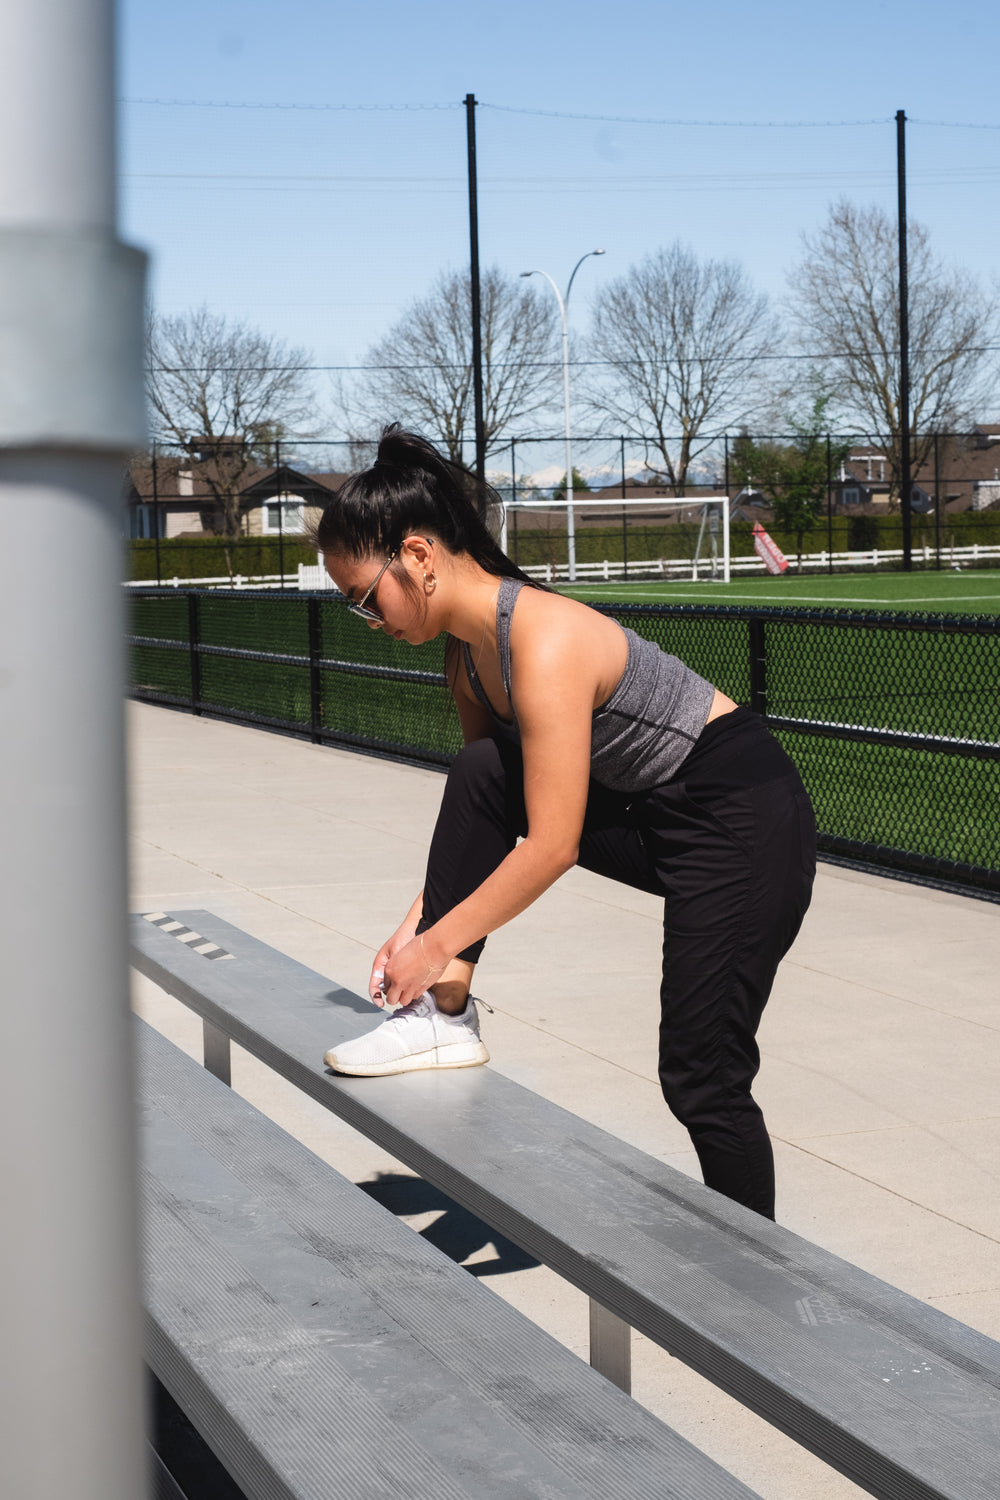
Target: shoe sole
(461, 1055)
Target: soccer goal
(662, 538)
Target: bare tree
(682, 341)
(420, 373)
(845, 303)
(794, 472)
(222, 393)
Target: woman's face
(402, 610)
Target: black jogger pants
(730, 844)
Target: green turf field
(970, 592)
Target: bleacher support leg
(611, 1347)
(217, 1053)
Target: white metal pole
(570, 517)
(71, 409)
(570, 526)
(564, 315)
(725, 542)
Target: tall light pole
(905, 489)
(563, 310)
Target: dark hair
(411, 489)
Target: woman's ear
(419, 551)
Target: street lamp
(563, 306)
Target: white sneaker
(416, 1036)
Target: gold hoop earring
(430, 583)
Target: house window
(285, 513)
(851, 495)
(141, 523)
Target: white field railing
(312, 577)
(306, 577)
(651, 569)
(309, 576)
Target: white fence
(678, 568)
(314, 576)
(307, 576)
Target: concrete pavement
(880, 1046)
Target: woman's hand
(378, 984)
(405, 933)
(411, 970)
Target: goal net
(597, 541)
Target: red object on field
(774, 559)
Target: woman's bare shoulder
(555, 633)
(537, 605)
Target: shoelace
(406, 1012)
(417, 1007)
(420, 1008)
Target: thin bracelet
(431, 968)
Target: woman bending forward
(593, 747)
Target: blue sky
(320, 223)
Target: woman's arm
(555, 701)
(557, 677)
(405, 933)
(476, 724)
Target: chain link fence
(844, 516)
(892, 720)
(831, 503)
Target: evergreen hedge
(191, 558)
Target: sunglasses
(361, 609)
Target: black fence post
(315, 699)
(194, 637)
(829, 506)
(937, 504)
(156, 516)
(624, 510)
(758, 666)
(904, 349)
(281, 514)
(477, 336)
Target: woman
(591, 746)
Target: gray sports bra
(642, 733)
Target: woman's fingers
(376, 984)
(406, 975)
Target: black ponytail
(411, 489)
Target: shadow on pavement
(455, 1232)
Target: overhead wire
(556, 114)
(530, 364)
